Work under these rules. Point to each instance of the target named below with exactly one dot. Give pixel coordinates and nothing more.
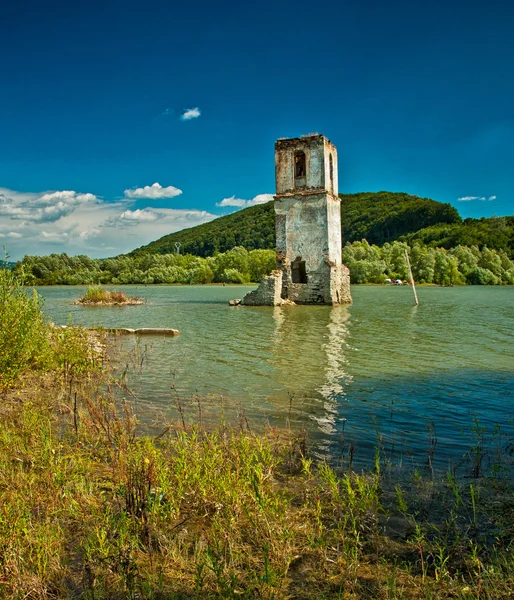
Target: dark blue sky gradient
(418, 97)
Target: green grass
(23, 333)
(99, 295)
(91, 510)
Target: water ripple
(381, 367)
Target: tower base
(273, 291)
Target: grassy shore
(89, 509)
(98, 296)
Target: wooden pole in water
(411, 278)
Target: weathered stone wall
(268, 293)
(332, 184)
(335, 234)
(308, 222)
(308, 227)
(340, 285)
(317, 151)
(285, 150)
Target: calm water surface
(347, 375)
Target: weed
(91, 510)
(23, 332)
(100, 296)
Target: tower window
(299, 164)
(331, 168)
(298, 271)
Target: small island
(99, 296)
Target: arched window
(299, 165)
(331, 167)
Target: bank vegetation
(89, 509)
(378, 217)
(98, 296)
(368, 263)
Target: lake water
(379, 372)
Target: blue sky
(417, 97)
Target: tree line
(378, 217)
(368, 263)
(238, 265)
(458, 266)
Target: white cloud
(153, 192)
(139, 215)
(41, 208)
(232, 201)
(11, 234)
(89, 225)
(54, 236)
(261, 199)
(472, 198)
(130, 218)
(240, 203)
(190, 113)
(85, 235)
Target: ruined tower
(308, 222)
(308, 228)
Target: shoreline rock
(164, 331)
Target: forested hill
(385, 216)
(252, 228)
(378, 217)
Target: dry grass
(99, 296)
(90, 510)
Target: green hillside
(253, 228)
(494, 232)
(378, 217)
(384, 216)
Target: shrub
(481, 276)
(234, 276)
(23, 332)
(98, 295)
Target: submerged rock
(165, 331)
(157, 331)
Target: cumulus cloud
(232, 201)
(85, 235)
(41, 208)
(190, 113)
(241, 203)
(153, 192)
(131, 218)
(473, 198)
(139, 215)
(54, 236)
(87, 225)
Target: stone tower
(308, 222)
(308, 227)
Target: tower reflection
(309, 356)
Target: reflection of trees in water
(309, 360)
